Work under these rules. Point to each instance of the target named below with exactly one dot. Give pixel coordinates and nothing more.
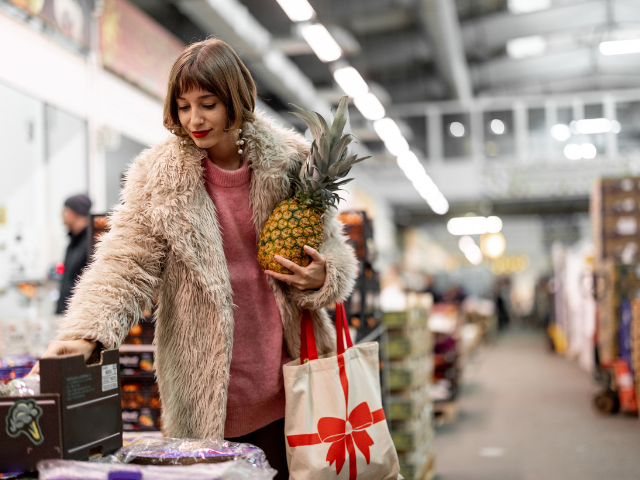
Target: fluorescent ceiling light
(386, 128)
(321, 42)
(297, 10)
(561, 132)
(527, 6)
(588, 151)
(474, 225)
(370, 106)
(523, 47)
(620, 47)
(572, 151)
(397, 146)
(413, 169)
(456, 129)
(595, 125)
(351, 82)
(497, 126)
(471, 250)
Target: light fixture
(415, 172)
(561, 132)
(386, 128)
(456, 129)
(369, 106)
(493, 245)
(572, 151)
(595, 125)
(470, 250)
(397, 146)
(321, 42)
(620, 47)
(297, 10)
(474, 225)
(524, 47)
(497, 126)
(588, 151)
(351, 81)
(527, 6)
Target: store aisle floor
(526, 414)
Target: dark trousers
(271, 440)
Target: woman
(186, 233)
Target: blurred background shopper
(75, 216)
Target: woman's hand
(67, 347)
(311, 277)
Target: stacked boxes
(635, 343)
(620, 285)
(363, 306)
(409, 408)
(615, 216)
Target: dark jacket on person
(74, 262)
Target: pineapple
(299, 220)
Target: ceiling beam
(493, 31)
(439, 19)
(581, 62)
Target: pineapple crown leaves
(328, 163)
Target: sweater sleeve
(341, 267)
(121, 282)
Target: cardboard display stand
(77, 415)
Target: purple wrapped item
(174, 451)
(73, 470)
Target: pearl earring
(240, 142)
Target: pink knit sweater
(256, 392)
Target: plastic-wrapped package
(174, 451)
(21, 387)
(73, 470)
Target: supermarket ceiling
(416, 53)
(415, 50)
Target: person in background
(75, 216)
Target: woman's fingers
(313, 253)
(296, 269)
(280, 276)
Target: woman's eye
(183, 108)
(209, 106)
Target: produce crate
(410, 372)
(408, 404)
(413, 342)
(77, 414)
(414, 435)
(418, 464)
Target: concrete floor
(526, 414)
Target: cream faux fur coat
(165, 242)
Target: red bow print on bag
(343, 435)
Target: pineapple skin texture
(289, 228)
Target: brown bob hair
(214, 66)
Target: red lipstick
(201, 133)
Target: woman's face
(204, 117)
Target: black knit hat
(81, 204)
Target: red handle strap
(308, 349)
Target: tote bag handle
(308, 348)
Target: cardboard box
(77, 415)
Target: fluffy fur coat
(165, 242)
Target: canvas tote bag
(335, 427)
